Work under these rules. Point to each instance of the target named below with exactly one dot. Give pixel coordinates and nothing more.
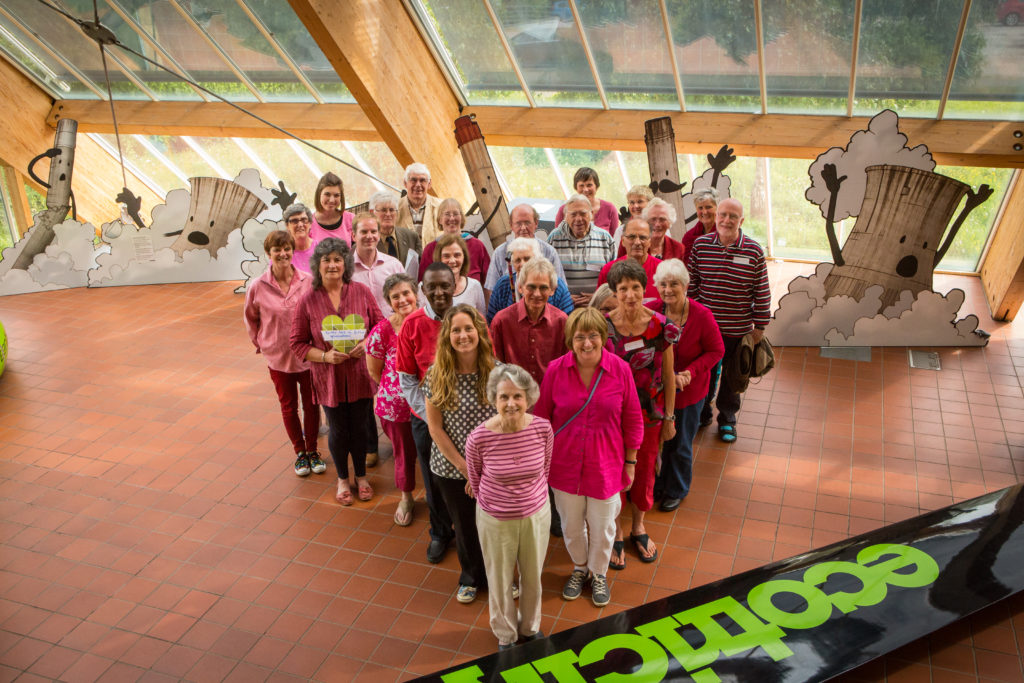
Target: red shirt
(345, 382)
(417, 343)
(693, 233)
(671, 249)
(699, 348)
(650, 265)
(527, 343)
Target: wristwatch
(669, 418)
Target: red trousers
(404, 447)
(289, 385)
(641, 493)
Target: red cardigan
(698, 350)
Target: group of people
(537, 387)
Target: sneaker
(515, 591)
(302, 465)
(316, 463)
(466, 594)
(599, 591)
(574, 586)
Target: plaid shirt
(582, 259)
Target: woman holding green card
(329, 331)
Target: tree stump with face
(216, 208)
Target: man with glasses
(524, 219)
(636, 237)
(395, 241)
(417, 210)
(583, 247)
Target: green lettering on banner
(873, 592)
(818, 610)
(561, 665)
(705, 676)
(471, 674)
(524, 673)
(926, 570)
(655, 663)
(717, 640)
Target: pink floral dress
(643, 353)
(382, 344)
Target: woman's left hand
(359, 351)
(683, 379)
(469, 490)
(668, 430)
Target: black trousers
(467, 542)
(727, 402)
(440, 520)
(347, 424)
(371, 429)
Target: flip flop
(641, 542)
(618, 547)
(403, 515)
(727, 433)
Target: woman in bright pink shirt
(299, 220)
(269, 307)
(507, 462)
(331, 219)
(598, 429)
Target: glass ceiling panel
(546, 44)
(905, 49)
(48, 72)
(468, 34)
(293, 37)
(989, 80)
(807, 56)
(66, 40)
(527, 172)
(631, 53)
(716, 48)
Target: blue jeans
(677, 454)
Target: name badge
(595, 267)
(634, 345)
(741, 260)
(343, 335)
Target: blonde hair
(442, 377)
(585, 319)
(446, 204)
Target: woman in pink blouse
(598, 429)
(508, 458)
(299, 220)
(391, 408)
(331, 218)
(329, 331)
(269, 307)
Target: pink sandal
(365, 492)
(344, 497)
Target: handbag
(597, 381)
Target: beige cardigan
(430, 230)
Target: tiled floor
(151, 527)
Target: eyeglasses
(523, 224)
(634, 238)
(451, 214)
(387, 210)
(301, 220)
(593, 337)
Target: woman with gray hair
(328, 331)
(706, 203)
(299, 220)
(696, 352)
(508, 458)
(521, 250)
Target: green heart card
(344, 334)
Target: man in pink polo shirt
(417, 343)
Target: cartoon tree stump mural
(217, 207)
(895, 241)
(660, 138)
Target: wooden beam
(24, 133)
(17, 198)
(382, 59)
(1002, 272)
(952, 142)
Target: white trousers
(506, 542)
(588, 529)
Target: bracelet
(323, 358)
(631, 462)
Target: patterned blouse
(382, 344)
(642, 352)
(459, 423)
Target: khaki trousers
(588, 529)
(506, 542)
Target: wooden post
(17, 198)
(660, 139)
(1002, 272)
(493, 206)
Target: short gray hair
(601, 294)
(294, 209)
(416, 167)
(538, 265)
(672, 269)
(656, 202)
(523, 244)
(518, 376)
(707, 193)
(383, 197)
(578, 198)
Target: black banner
(807, 618)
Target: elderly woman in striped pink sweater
(507, 459)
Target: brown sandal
(403, 515)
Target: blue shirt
(502, 297)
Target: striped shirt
(582, 259)
(509, 471)
(731, 281)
